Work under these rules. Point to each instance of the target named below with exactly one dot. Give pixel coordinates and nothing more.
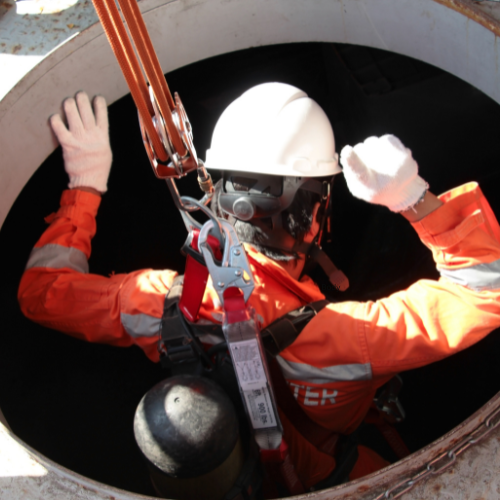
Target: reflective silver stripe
(336, 373)
(57, 257)
(479, 277)
(140, 325)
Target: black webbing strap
(276, 337)
(280, 239)
(178, 344)
(170, 326)
(282, 333)
(335, 275)
(346, 458)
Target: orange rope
(132, 10)
(120, 43)
(152, 68)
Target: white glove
(382, 171)
(85, 143)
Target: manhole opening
(74, 402)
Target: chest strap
(177, 334)
(179, 344)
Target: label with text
(248, 364)
(260, 408)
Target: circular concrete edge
(452, 34)
(185, 31)
(25, 473)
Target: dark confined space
(74, 402)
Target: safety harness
(181, 351)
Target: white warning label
(248, 363)
(260, 408)
(253, 381)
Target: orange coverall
(342, 356)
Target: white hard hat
(274, 128)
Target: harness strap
(175, 292)
(343, 448)
(346, 459)
(391, 435)
(335, 275)
(178, 345)
(276, 337)
(282, 333)
(324, 439)
(174, 345)
(279, 239)
(196, 274)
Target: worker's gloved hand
(382, 171)
(85, 142)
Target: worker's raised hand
(382, 171)
(85, 141)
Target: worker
(349, 349)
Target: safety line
(137, 71)
(151, 65)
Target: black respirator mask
(249, 196)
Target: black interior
(74, 402)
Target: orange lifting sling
(166, 131)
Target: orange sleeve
(427, 322)
(57, 291)
(434, 319)
(462, 233)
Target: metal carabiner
(234, 270)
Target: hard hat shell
(274, 128)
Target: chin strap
(279, 239)
(337, 278)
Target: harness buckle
(177, 354)
(388, 402)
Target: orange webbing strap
(391, 435)
(278, 468)
(123, 49)
(152, 68)
(325, 440)
(142, 41)
(124, 53)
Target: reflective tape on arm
(140, 325)
(478, 278)
(54, 256)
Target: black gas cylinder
(187, 428)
